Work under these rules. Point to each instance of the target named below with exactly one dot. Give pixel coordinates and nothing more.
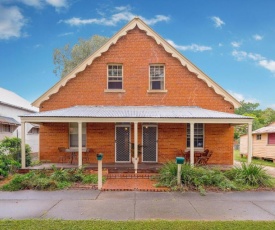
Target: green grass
(149, 224)
(238, 157)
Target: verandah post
(23, 151)
(136, 146)
(249, 143)
(192, 144)
(79, 144)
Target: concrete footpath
(93, 204)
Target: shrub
(59, 174)
(49, 180)
(7, 165)
(168, 174)
(193, 177)
(12, 146)
(250, 175)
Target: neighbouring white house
(11, 107)
(263, 143)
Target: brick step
(131, 170)
(130, 175)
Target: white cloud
(41, 3)
(258, 37)
(271, 106)
(217, 22)
(236, 44)
(259, 59)
(123, 13)
(268, 64)
(57, 3)
(33, 3)
(11, 22)
(192, 47)
(241, 97)
(65, 34)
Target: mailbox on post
(99, 156)
(179, 161)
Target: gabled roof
(267, 129)
(159, 40)
(12, 99)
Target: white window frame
(162, 90)
(259, 137)
(73, 129)
(188, 136)
(3, 129)
(108, 80)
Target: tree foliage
(11, 146)
(67, 58)
(261, 117)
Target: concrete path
(93, 204)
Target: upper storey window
(115, 76)
(157, 74)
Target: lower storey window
(198, 135)
(74, 135)
(4, 128)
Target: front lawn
(148, 224)
(238, 157)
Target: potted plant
(133, 152)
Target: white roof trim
(160, 41)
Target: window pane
(74, 134)
(114, 76)
(114, 85)
(157, 77)
(198, 135)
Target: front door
(122, 140)
(149, 143)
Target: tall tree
(261, 117)
(67, 58)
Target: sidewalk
(93, 204)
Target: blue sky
(233, 42)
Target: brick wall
(136, 51)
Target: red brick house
(136, 89)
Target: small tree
(67, 58)
(12, 146)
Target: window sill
(199, 149)
(157, 91)
(114, 91)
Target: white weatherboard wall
(12, 105)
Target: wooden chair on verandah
(62, 154)
(202, 160)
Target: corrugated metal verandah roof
(136, 112)
(8, 120)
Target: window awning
(158, 114)
(8, 121)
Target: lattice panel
(150, 144)
(122, 144)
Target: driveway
(93, 204)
